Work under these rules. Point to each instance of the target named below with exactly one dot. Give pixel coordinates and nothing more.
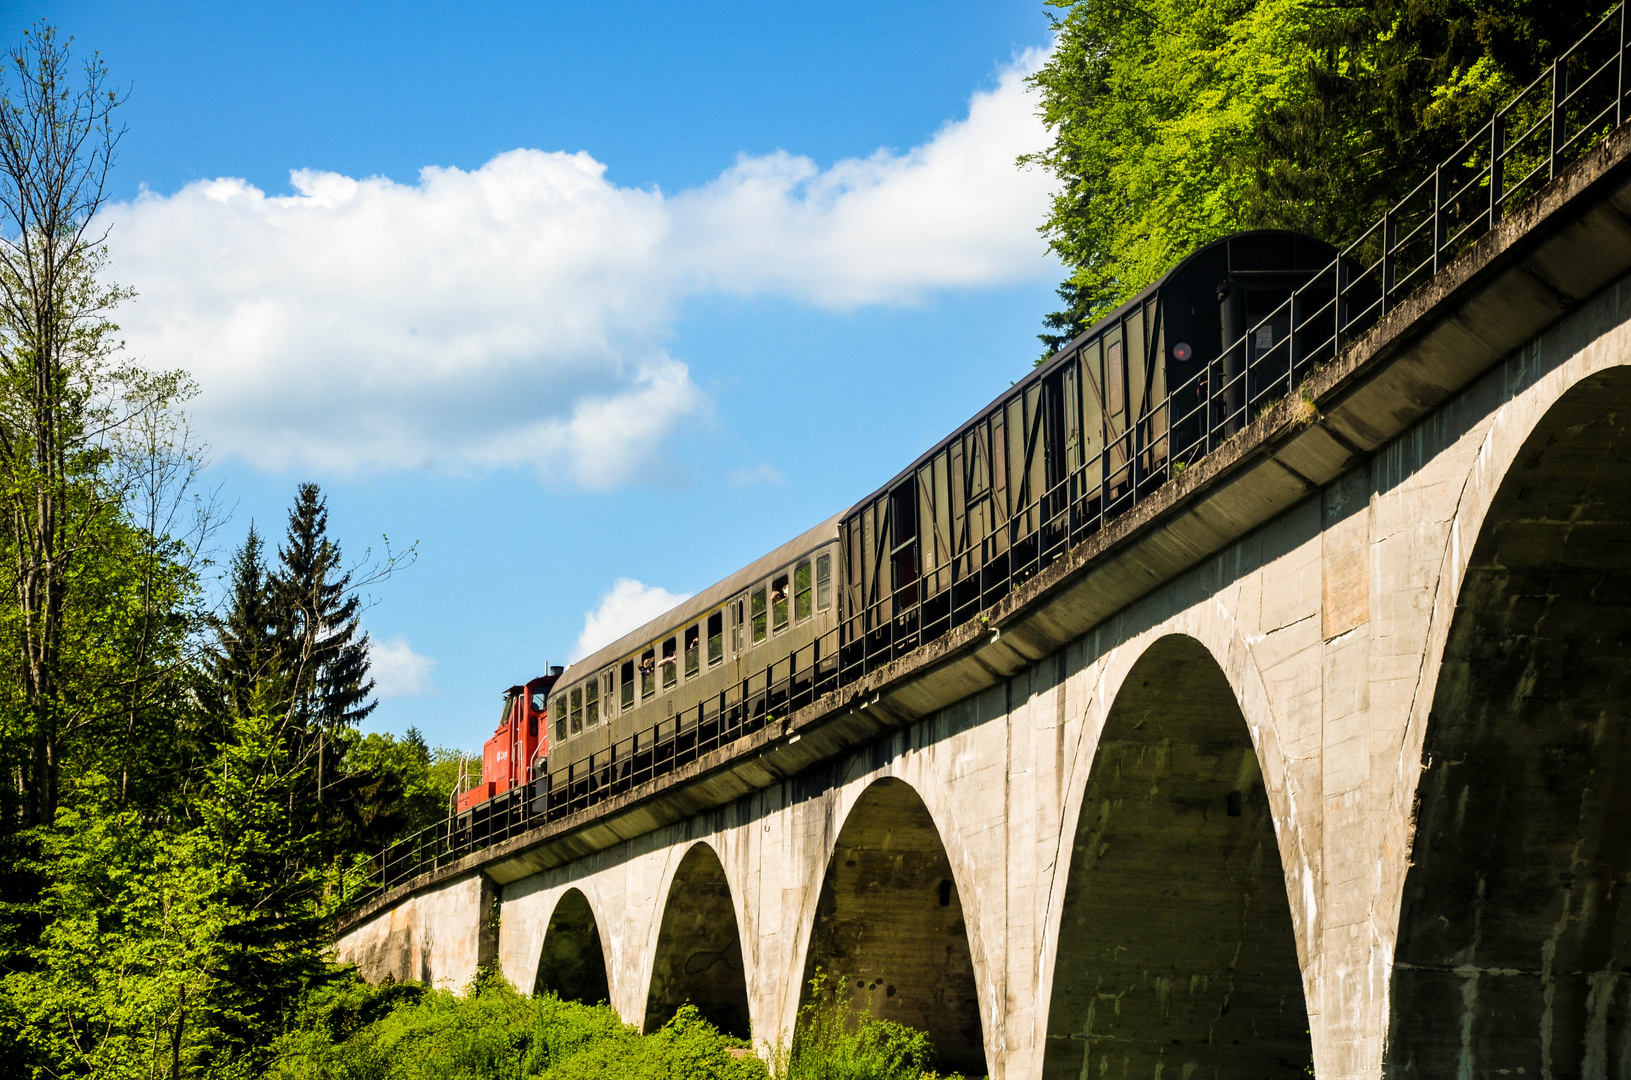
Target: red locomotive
(516, 753)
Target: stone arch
(889, 921)
(1514, 937)
(1176, 951)
(572, 964)
(698, 955)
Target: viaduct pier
(1319, 754)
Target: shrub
(351, 1031)
(833, 1041)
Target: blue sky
(681, 281)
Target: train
(1137, 397)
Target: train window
(823, 582)
(670, 675)
(716, 638)
(693, 650)
(778, 603)
(577, 710)
(648, 673)
(801, 591)
(626, 677)
(608, 691)
(591, 703)
(560, 719)
(736, 627)
(538, 701)
(758, 608)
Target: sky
(582, 306)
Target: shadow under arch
(889, 921)
(572, 964)
(1176, 951)
(1514, 948)
(699, 949)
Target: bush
(834, 1042)
(350, 1031)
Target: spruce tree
(322, 650)
(245, 653)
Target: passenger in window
(648, 673)
(778, 603)
(670, 672)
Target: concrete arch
(697, 955)
(1514, 932)
(572, 962)
(1176, 948)
(889, 921)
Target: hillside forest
(187, 798)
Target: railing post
(1295, 354)
(1619, 74)
(1390, 239)
(1557, 118)
(1497, 167)
(1438, 217)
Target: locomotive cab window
(778, 603)
(626, 675)
(648, 673)
(758, 611)
(670, 675)
(823, 577)
(716, 638)
(538, 701)
(591, 703)
(693, 650)
(577, 710)
(801, 591)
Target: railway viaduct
(1320, 754)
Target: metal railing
(1549, 124)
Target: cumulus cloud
(627, 606)
(398, 671)
(518, 313)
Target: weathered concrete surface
(1407, 594)
(439, 936)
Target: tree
(69, 408)
(322, 655)
(1180, 121)
(244, 653)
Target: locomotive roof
(704, 601)
(1044, 369)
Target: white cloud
(627, 606)
(518, 313)
(398, 671)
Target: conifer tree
(245, 652)
(321, 648)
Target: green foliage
(832, 1041)
(164, 951)
(419, 794)
(1179, 121)
(348, 1031)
